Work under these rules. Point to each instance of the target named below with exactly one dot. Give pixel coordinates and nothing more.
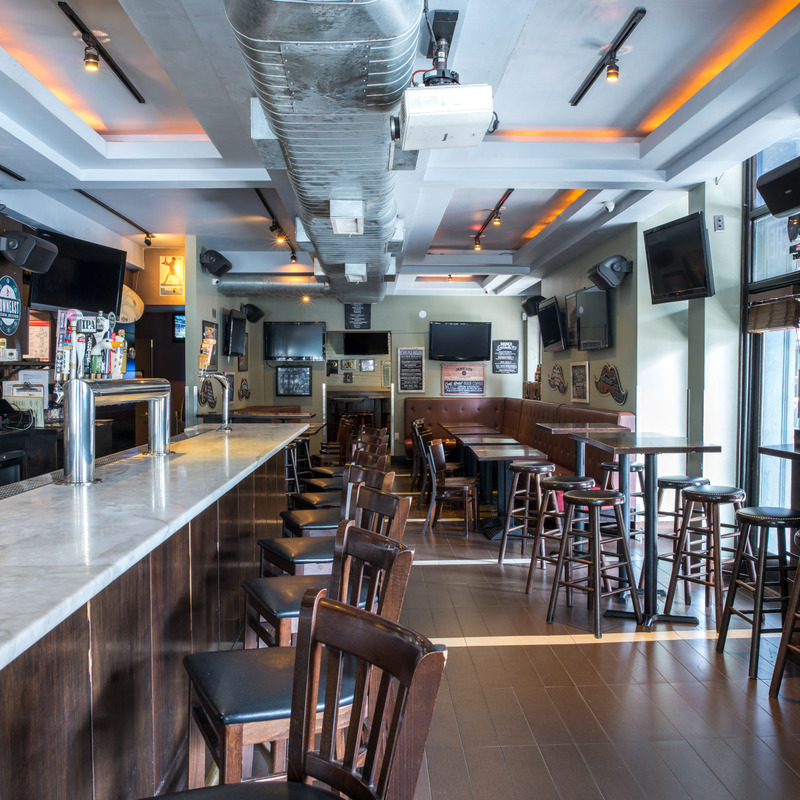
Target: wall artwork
(609, 383)
(579, 374)
(170, 274)
(556, 379)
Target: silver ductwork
(253, 284)
(329, 74)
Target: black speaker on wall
(215, 262)
(610, 273)
(252, 313)
(780, 188)
(531, 304)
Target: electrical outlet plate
(719, 222)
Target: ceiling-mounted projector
(447, 115)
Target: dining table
(790, 452)
(565, 428)
(500, 455)
(623, 445)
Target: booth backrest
(518, 418)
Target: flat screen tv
(235, 327)
(366, 343)
(178, 327)
(460, 341)
(294, 341)
(83, 275)
(551, 326)
(679, 260)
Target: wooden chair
(335, 452)
(272, 604)
(240, 698)
(363, 459)
(418, 463)
(450, 467)
(377, 449)
(449, 489)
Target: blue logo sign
(10, 306)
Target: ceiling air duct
(329, 75)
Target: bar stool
(549, 511)
(790, 626)
(612, 468)
(599, 558)
(699, 545)
(758, 521)
(524, 501)
(292, 480)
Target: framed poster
(463, 379)
(366, 365)
(579, 374)
(410, 369)
(210, 334)
(244, 359)
(293, 381)
(170, 276)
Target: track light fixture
(608, 60)
(275, 227)
(90, 58)
(94, 51)
(449, 278)
(293, 257)
(612, 70)
(493, 218)
(148, 240)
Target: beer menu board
(410, 369)
(357, 316)
(505, 356)
(463, 379)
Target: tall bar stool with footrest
(551, 514)
(600, 556)
(757, 522)
(524, 502)
(697, 557)
(791, 625)
(241, 698)
(611, 468)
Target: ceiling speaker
(215, 262)
(610, 273)
(531, 304)
(780, 188)
(251, 313)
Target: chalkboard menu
(463, 379)
(505, 356)
(410, 369)
(357, 316)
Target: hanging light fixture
(293, 257)
(612, 71)
(477, 243)
(496, 219)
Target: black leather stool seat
(257, 790)
(323, 484)
(316, 499)
(282, 594)
(769, 515)
(613, 466)
(307, 519)
(240, 686)
(713, 493)
(566, 483)
(532, 467)
(681, 481)
(328, 472)
(592, 497)
(301, 550)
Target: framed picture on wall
(293, 381)
(211, 333)
(579, 374)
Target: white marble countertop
(60, 545)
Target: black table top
(785, 450)
(653, 443)
(505, 452)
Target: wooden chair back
(364, 458)
(382, 512)
(355, 476)
(381, 759)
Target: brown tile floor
(531, 710)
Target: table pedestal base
(651, 620)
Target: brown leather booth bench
(518, 418)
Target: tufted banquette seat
(518, 418)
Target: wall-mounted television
(366, 343)
(84, 275)
(679, 260)
(178, 327)
(235, 328)
(294, 341)
(460, 341)
(591, 315)
(551, 326)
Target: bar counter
(105, 587)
